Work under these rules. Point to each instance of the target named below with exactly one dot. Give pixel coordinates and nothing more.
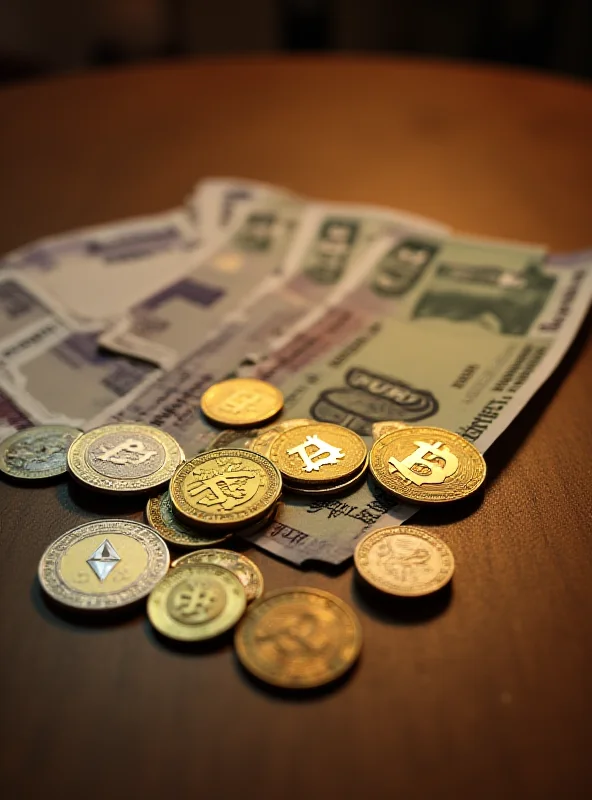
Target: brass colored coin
(124, 457)
(331, 489)
(245, 570)
(404, 561)
(427, 465)
(382, 428)
(263, 441)
(38, 452)
(298, 638)
(318, 453)
(234, 438)
(225, 488)
(160, 514)
(108, 563)
(196, 602)
(241, 401)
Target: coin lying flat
(38, 452)
(264, 439)
(241, 401)
(330, 489)
(232, 437)
(427, 465)
(160, 514)
(196, 602)
(382, 428)
(124, 457)
(404, 561)
(318, 453)
(225, 488)
(105, 564)
(245, 570)
(298, 638)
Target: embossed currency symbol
(132, 451)
(195, 602)
(240, 402)
(325, 453)
(402, 563)
(229, 489)
(430, 470)
(298, 634)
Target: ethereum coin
(245, 570)
(427, 465)
(298, 638)
(241, 401)
(37, 453)
(108, 563)
(196, 602)
(264, 439)
(404, 561)
(160, 514)
(124, 457)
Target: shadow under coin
(448, 513)
(198, 648)
(105, 503)
(400, 610)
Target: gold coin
(404, 561)
(196, 602)
(330, 489)
(427, 465)
(234, 438)
(160, 514)
(318, 453)
(37, 453)
(241, 401)
(264, 439)
(298, 638)
(108, 563)
(245, 570)
(124, 457)
(388, 426)
(225, 488)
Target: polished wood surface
(482, 693)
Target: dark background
(44, 36)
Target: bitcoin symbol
(298, 634)
(420, 469)
(194, 603)
(240, 402)
(131, 451)
(228, 489)
(325, 453)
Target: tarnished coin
(262, 442)
(108, 563)
(37, 453)
(330, 489)
(225, 488)
(160, 514)
(298, 638)
(318, 453)
(196, 602)
(388, 426)
(245, 570)
(124, 457)
(404, 561)
(241, 401)
(427, 465)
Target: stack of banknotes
(358, 314)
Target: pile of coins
(199, 503)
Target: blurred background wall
(42, 36)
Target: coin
(298, 638)
(388, 426)
(234, 438)
(108, 563)
(245, 570)
(38, 452)
(264, 439)
(318, 453)
(427, 465)
(329, 489)
(241, 401)
(404, 561)
(196, 602)
(124, 457)
(160, 514)
(225, 488)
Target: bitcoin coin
(241, 401)
(319, 453)
(225, 488)
(265, 438)
(381, 428)
(37, 453)
(160, 514)
(330, 489)
(105, 564)
(298, 638)
(404, 561)
(196, 602)
(245, 570)
(124, 457)
(427, 465)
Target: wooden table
(484, 695)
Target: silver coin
(38, 452)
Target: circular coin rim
(154, 517)
(331, 489)
(41, 473)
(220, 419)
(197, 555)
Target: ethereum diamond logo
(103, 560)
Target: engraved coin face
(196, 601)
(264, 439)
(404, 561)
(104, 564)
(381, 428)
(298, 638)
(318, 453)
(245, 570)
(160, 514)
(37, 453)
(124, 457)
(328, 490)
(241, 401)
(427, 465)
(225, 488)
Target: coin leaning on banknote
(241, 402)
